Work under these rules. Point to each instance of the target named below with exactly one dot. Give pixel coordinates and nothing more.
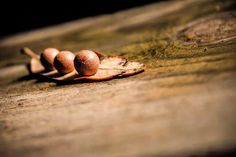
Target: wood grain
(182, 105)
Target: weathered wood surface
(184, 104)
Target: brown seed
(86, 62)
(63, 62)
(47, 58)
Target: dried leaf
(109, 68)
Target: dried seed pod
(63, 62)
(47, 58)
(86, 62)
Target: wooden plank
(183, 104)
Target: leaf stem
(29, 53)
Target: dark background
(18, 16)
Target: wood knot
(209, 30)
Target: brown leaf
(109, 68)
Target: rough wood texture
(184, 104)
